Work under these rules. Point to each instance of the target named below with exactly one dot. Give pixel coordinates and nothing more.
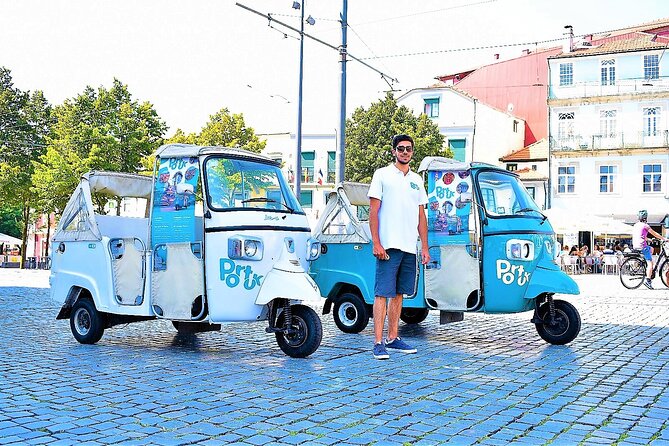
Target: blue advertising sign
(173, 217)
(449, 196)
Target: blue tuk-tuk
(491, 249)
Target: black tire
(414, 315)
(350, 313)
(566, 327)
(632, 272)
(308, 335)
(664, 272)
(86, 322)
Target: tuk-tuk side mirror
(666, 221)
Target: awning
(4, 238)
(564, 222)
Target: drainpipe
(474, 131)
(550, 155)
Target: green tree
(10, 221)
(103, 129)
(369, 135)
(25, 123)
(222, 129)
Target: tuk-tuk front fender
(290, 285)
(548, 278)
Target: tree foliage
(10, 221)
(369, 135)
(103, 129)
(25, 123)
(222, 129)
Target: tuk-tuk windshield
(504, 195)
(247, 184)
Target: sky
(190, 58)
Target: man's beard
(397, 158)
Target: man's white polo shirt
(400, 197)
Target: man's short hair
(399, 138)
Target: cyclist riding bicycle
(640, 233)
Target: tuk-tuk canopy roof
(443, 163)
(117, 184)
(191, 150)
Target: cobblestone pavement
(489, 380)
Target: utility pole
(341, 157)
(298, 158)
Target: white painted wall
(488, 132)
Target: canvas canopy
(190, 150)
(339, 222)
(564, 222)
(8, 239)
(78, 219)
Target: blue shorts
(647, 254)
(396, 275)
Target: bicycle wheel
(664, 272)
(632, 272)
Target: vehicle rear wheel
(565, 325)
(632, 272)
(664, 273)
(86, 322)
(306, 334)
(414, 315)
(350, 313)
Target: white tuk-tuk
(242, 257)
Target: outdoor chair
(610, 264)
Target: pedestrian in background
(397, 200)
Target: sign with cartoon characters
(449, 204)
(174, 201)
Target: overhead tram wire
(387, 78)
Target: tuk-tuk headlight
(245, 248)
(520, 250)
(313, 249)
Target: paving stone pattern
(489, 380)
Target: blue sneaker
(399, 345)
(380, 351)
(648, 283)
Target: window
(532, 191)
(489, 198)
(608, 68)
(308, 167)
(458, 147)
(651, 121)
(607, 123)
(512, 167)
(651, 67)
(431, 107)
(306, 198)
(565, 125)
(652, 178)
(608, 178)
(566, 179)
(332, 166)
(566, 74)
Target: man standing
(397, 200)
(640, 231)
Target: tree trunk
(24, 239)
(48, 234)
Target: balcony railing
(621, 87)
(612, 141)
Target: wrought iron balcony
(579, 90)
(611, 141)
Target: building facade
(474, 131)
(608, 114)
(318, 166)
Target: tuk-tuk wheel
(350, 313)
(414, 315)
(565, 326)
(306, 334)
(86, 322)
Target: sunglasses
(402, 149)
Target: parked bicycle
(633, 268)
